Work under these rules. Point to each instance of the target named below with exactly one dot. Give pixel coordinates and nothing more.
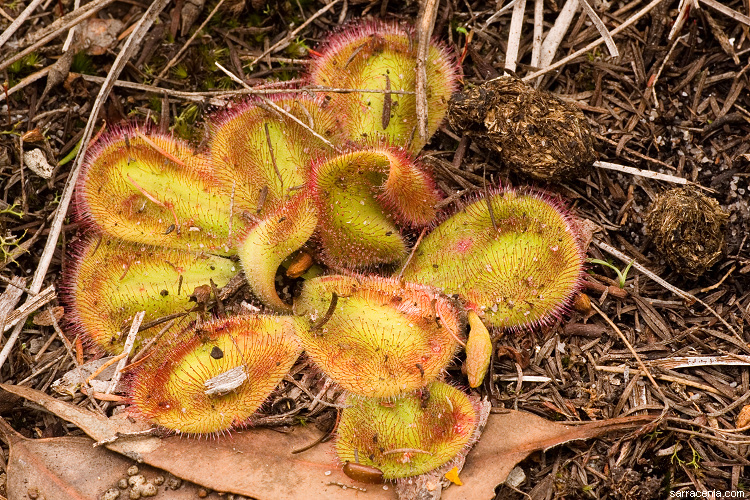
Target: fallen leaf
(32, 136)
(45, 318)
(259, 462)
(98, 35)
(510, 437)
(255, 462)
(70, 468)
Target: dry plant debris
(671, 103)
(688, 228)
(533, 132)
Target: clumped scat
(688, 230)
(407, 435)
(532, 131)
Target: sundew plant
(326, 192)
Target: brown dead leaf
(259, 462)
(44, 318)
(97, 35)
(511, 437)
(69, 468)
(256, 462)
(520, 357)
(33, 136)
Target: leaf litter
(691, 123)
(259, 462)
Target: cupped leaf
(270, 242)
(261, 155)
(362, 198)
(514, 257)
(154, 189)
(375, 336)
(408, 435)
(382, 56)
(111, 281)
(213, 377)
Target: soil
(678, 106)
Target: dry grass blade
(641, 173)
(53, 30)
(557, 33)
(425, 25)
(133, 41)
(19, 21)
(611, 47)
(562, 62)
(685, 295)
(737, 16)
(185, 46)
(294, 33)
(514, 35)
(632, 351)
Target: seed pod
(517, 264)
(110, 281)
(478, 350)
(382, 56)
(153, 189)
(185, 388)
(362, 197)
(375, 336)
(363, 473)
(407, 436)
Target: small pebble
(111, 494)
(135, 494)
(148, 490)
(174, 483)
(122, 483)
(132, 470)
(136, 480)
(202, 493)
(159, 480)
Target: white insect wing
(226, 382)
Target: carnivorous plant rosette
(513, 256)
(332, 180)
(362, 198)
(111, 280)
(154, 189)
